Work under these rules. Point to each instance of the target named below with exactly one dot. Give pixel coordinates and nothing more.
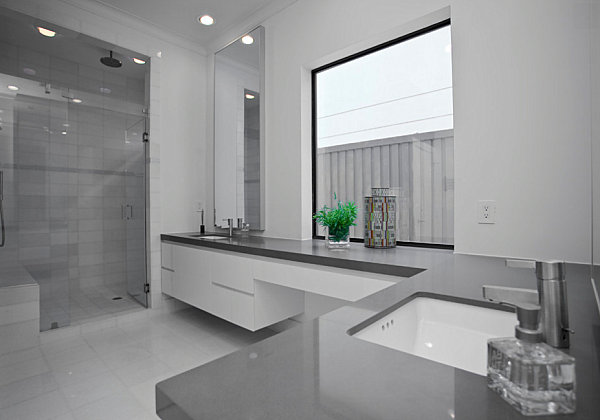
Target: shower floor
(84, 304)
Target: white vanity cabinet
(223, 284)
(252, 291)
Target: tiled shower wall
(69, 227)
(64, 73)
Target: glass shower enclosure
(73, 178)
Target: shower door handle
(126, 211)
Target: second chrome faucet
(551, 296)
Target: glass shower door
(37, 188)
(134, 208)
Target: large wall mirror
(239, 133)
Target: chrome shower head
(110, 61)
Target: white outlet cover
(486, 211)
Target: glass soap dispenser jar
(530, 375)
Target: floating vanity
(319, 370)
(246, 282)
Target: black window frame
(314, 72)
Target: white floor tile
(107, 340)
(125, 356)
(57, 346)
(20, 356)
(181, 354)
(218, 346)
(142, 371)
(70, 355)
(72, 373)
(92, 389)
(22, 370)
(117, 406)
(44, 407)
(19, 391)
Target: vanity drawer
(232, 271)
(234, 306)
(166, 255)
(167, 281)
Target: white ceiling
(179, 16)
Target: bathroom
(523, 131)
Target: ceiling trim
(166, 34)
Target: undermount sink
(212, 237)
(451, 333)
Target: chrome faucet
(244, 227)
(551, 296)
(229, 225)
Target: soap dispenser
(530, 375)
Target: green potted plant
(337, 222)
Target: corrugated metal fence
(420, 170)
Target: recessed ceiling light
(139, 61)
(247, 39)
(66, 125)
(206, 20)
(13, 87)
(249, 96)
(29, 71)
(77, 100)
(46, 32)
(103, 90)
(64, 132)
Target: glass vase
(338, 239)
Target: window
(383, 118)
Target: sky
(400, 90)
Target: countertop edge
(327, 261)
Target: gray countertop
(382, 261)
(317, 371)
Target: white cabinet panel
(234, 306)
(191, 278)
(167, 281)
(273, 303)
(232, 271)
(166, 255)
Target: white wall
(177, 109)
(521, 114)
(522, 127)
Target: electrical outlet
(486, 211)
